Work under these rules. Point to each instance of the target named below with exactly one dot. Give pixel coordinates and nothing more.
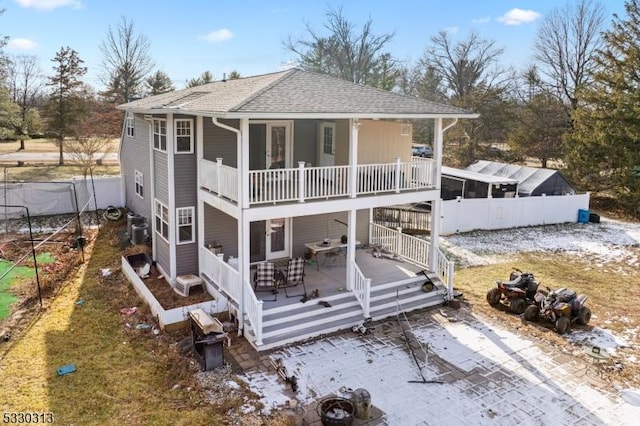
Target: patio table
(320, 246)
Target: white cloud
(21, 44)
(480, 21)
(49, 4)
(519, 16)
(217, 36)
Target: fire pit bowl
(336, 411)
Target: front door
(277, 233)
(327, 145)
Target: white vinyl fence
(60, 197)
(463, 215)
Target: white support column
(173, 226)
(243, 223)
(200, 204)
(351, 248)
(302, 182)
(353, 157)
(243, 164)
(435, 207)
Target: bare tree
(3, 60)
(467, 65)
(126, 61)
(25, 88)
(88, 151)
(565, 46)
(359, 57)
(472, 78)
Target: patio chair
(264, 279)
(295, 276)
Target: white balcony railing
(305, 183)
(253, 312)
(219, 178)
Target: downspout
(152, 178)
(242, 268)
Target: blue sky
(191, 36)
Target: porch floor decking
(330, 279)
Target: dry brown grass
(124, 375)
(613, 292)
(44, 145)
(53, 172)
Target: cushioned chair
(265, 280)
(294, 276)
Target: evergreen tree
(603, 151)
(158, 83)
(65, 107)
(205, 78)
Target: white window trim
(139, 181)
(175, 135)
(155, 216)
(153, 135)
(130, 126)
(178, 225)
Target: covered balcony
(301, 184)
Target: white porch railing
(362, 289)
(415, 250)
(253, 312)
(219, 178)
(227, 279)
(304, 183)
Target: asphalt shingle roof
(290, 92)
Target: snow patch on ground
(605, 242)
(600, 337)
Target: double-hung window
(185, 230)
(162, 220)
(160, 135)
(139, 179)
(327, 133)
(184, 136)
(129, 126)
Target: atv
(561, 306)
(518, 292)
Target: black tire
(563, 324)
(517, 306)
(584, 316)
(531, 313)
(493, 297)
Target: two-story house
(268, 168)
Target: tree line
(574, 106)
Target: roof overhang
(478, 177)
(297, 115)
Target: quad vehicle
(518, 292)
(561, 306)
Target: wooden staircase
(301, 321)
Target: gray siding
(161, 174)
(162, 254)
(305, 142)
(314, 228)
(135, 156)
(185, 182)
(222, 229)
(220, 143)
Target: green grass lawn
(16, 275)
